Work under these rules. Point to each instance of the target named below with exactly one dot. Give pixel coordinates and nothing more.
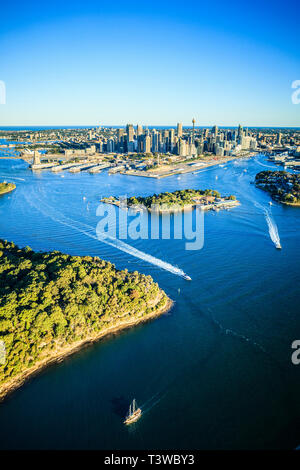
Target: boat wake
(12, 178)
(88, 230)
(229, 331)
(273, 230)
(262, 164)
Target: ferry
(134, 413)
(187, 278)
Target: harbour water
(213, 373)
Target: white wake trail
(273, 230)
(262, 164)
(87, 230)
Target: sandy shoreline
(16, 382)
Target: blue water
(214, 373)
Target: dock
(99, 168)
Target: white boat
(134, 413)
(271, 203)
(278, 246)
(187, 278)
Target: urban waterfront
(213, 373)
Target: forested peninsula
(51, 304)
(283, 186)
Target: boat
(187, 278)
(278, 246)
(271, 203)
(134, 413)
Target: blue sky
(156, 63)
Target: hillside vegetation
(50, 301)
(181, 197)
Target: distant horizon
(84, 126)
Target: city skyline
(84, 64)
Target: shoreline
(173, 210)
(188, 169)
(16, 382)
(293, 204)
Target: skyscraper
(240, 132)
(179, 129)
(130, 132)
(147, 144)
(139, 130)
(171, 138)
(215, 130)
(155, 141)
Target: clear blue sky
(156, 63)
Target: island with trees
(178, 200)
(6, 187)
(283, 186)
(52, 304)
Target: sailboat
(134, 413)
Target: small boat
(271, 203)
(187, 278)
(278, 246)
(134, 413)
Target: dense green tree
(50, 300)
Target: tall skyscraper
(120, 134)
(155, 141)
(171, 136)
(179, 129)
(139, 130)
(130, 132)
(215, 130)
(240, 132)
(147, 144)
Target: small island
(283, 187)
(207, 199)
(6, 187)
(52, 304)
